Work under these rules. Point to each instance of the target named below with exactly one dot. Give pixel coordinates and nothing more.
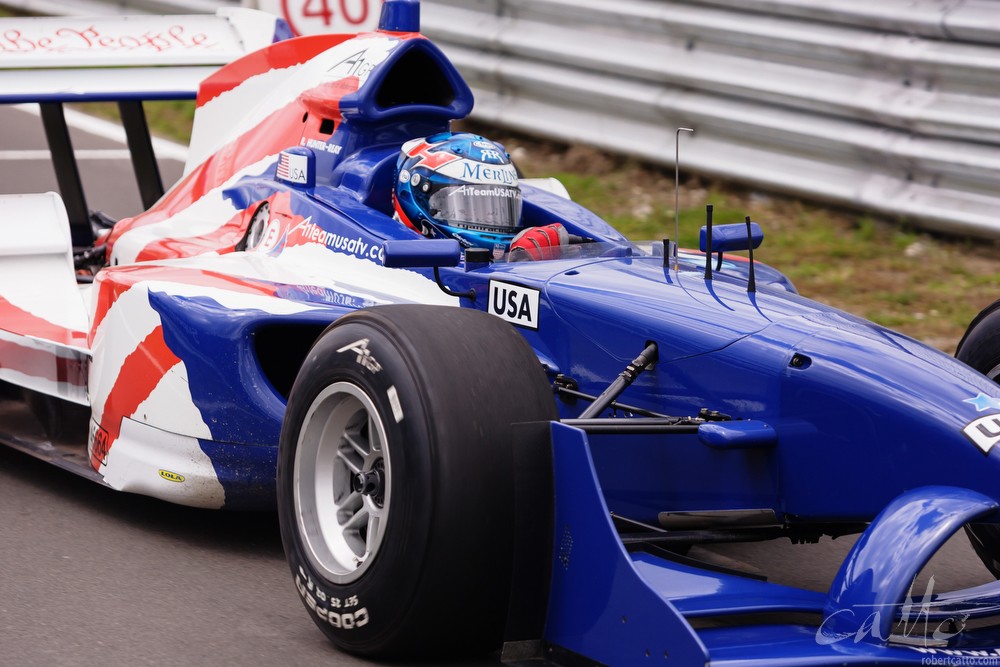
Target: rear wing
(112, 58)
(123, 59)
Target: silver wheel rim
(341, 437)
(258, 225)
(993, 373)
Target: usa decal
(293, 168)
(984, 432)
(513, 303)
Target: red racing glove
(531, 243)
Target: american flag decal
(293, 168)
(283, 166)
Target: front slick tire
(395, 482)
(980, 348)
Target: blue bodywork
(829, 424)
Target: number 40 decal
(322, 9)
(309, 17)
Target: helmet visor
(493, 208)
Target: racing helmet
(459, 186)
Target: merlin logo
(365, 358)
(504, 174)
(984, 432)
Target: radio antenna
(677, 191)
(751, 281)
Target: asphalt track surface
(89, 576)
(106, 172)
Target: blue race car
(491, 419)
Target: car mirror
(731, 238)
(421, 253)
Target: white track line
(81, 154)
(99, 127)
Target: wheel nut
(367, 483)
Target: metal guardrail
(846, 102)
(890, 106)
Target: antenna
(708, 245)
(751, 282)
(677, 189)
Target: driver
(465, 187)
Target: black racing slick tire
(980, 348)
(395, 482)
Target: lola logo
(513, 303)
(100, 443)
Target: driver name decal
(984, 432)
(513, 303)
